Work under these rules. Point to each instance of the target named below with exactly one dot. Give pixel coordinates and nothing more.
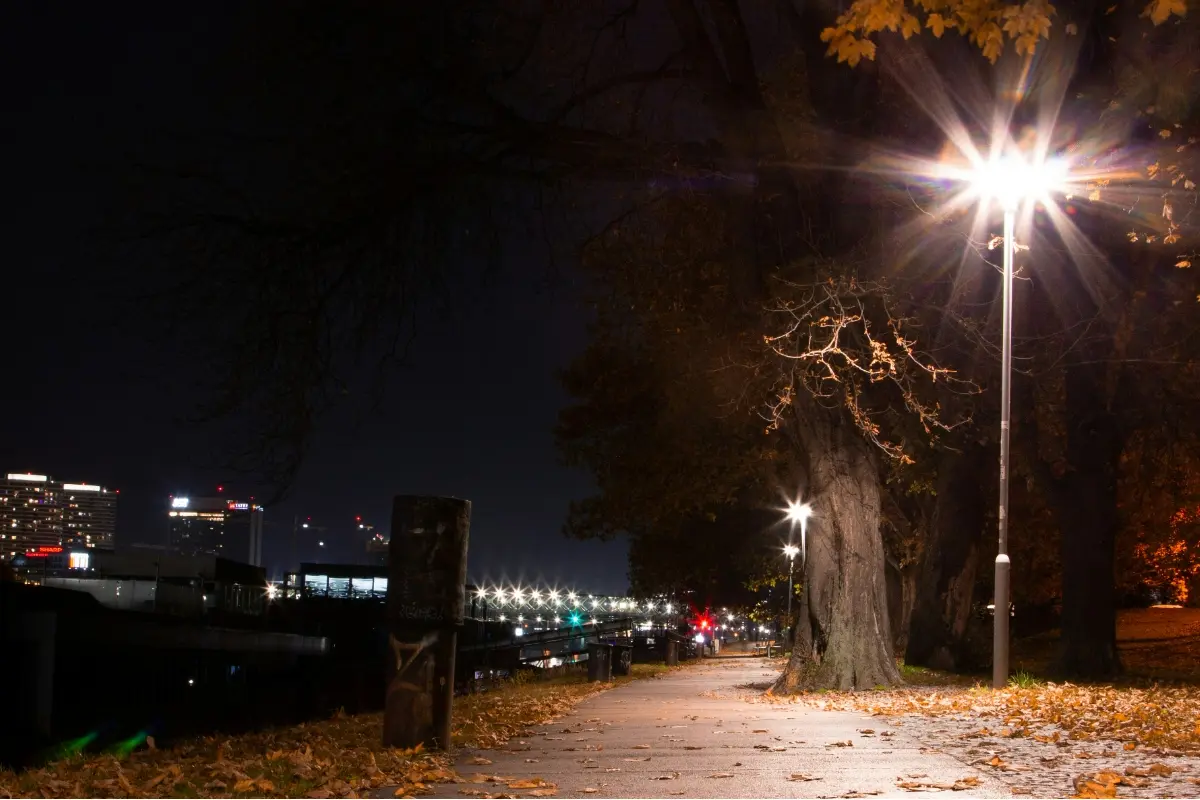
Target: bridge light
(481, 593)
(576, 619)
(502, 618)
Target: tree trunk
(946, 590)
(843, 638)
(1086, 504)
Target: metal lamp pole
(790, 551)
(791, 564)
(1003, 565)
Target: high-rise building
(89, 515)
(216, 526)
(37, 511)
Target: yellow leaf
(936, 24)
(1159, 11)
(243, 786)
(531, 783)
(909, 26)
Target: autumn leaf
(800, 776)
(1159, 11)
(530, 783)
(721, 775)
(936, 24)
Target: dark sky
(82, 401)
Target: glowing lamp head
(799, 512)
(1013, 180)
(791, 551)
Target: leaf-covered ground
(338, 757)
(1137, 737)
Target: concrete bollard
(599, 662)
(427, 571)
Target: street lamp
(1012, 182)
(790, 551)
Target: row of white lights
(555, 598)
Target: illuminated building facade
(38, 512)
(216, 526)
(89, 516)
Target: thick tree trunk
(843, 638)
(1086, 505)
(950, 567)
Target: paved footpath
(689, 734)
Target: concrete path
(690, 734)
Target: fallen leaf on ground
(670, 777)
(721, 775)
(641, 747)
(530, 783)
(480, 761)
(589, 790)
(800, 776)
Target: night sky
(90, 400)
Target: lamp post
(796, 513)
(790, 551)
(1011, 181)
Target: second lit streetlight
(796, 513)
(790, 551)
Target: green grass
(1024, 680)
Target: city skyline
(38, 511)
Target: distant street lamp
(796, 513)
(790, 551)
(1012, 181)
